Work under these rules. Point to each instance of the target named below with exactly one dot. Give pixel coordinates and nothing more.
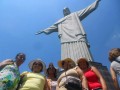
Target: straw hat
(66, 60)
(37, 60)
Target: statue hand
(98, 0)
(39, 32)
(59, 35)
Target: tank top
(93, 81)
(33, 81)
(52, 84)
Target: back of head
(114, 53)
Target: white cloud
(114, 40)
(116, 36)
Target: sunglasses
(39, 64)
(21, 57)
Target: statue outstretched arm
(85, 12)
(49, 30)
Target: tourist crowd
(79, 75)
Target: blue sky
(21, 19)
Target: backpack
(73, 84)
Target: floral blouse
(9, 77)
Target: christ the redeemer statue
(74, 43)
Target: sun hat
(82, 59)
(66, 60)
(37, 60)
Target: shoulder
(93, 68)
(48, 80)
(96, 71)
(24, 73)
(78, 70)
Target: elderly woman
(34, 80)
(93, 76)
(9, 72)
(69, 73)
(114, 57)
(52, 76)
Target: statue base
(105, 73)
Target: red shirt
(93, 80)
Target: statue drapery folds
(74, 43)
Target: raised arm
(49, 30)
(102, 81)
(85, 12)
(5, 62)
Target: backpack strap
(78, 71)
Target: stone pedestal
(105, 73)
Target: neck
(84, 70)
(51, 76)
(17, 64)
(35, 71)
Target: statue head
(66, 11)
